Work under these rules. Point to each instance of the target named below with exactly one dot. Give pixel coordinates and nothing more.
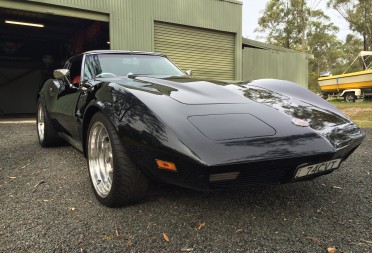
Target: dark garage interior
(29, 52)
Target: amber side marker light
(166, 165)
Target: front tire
(115, 179)
(47, 134)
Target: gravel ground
(47, 205)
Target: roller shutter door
(209, 53)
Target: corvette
(136, 117)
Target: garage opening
(32, 45)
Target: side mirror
(61, 73)
(188, 72)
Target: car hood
(282, 96)
(188, 90)
(195, 91)
(259, 115)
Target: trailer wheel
(350, 97)
(324, 95)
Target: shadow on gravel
(288, 198)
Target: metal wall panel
(209, 53)
(259, 63)
(132, 21)
(56, 10)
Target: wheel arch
(357, 92)
(87, 118)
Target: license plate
(317, 168)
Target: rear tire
(350, 97)
(47, 134)
(115, 179)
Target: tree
(351, 48)
(292, 24)
(358, 13)
(284, 22)
(322, 40)
(326, 48)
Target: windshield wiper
(132, 75)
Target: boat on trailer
(351, 85)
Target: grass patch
(363, 124)
(360, 112)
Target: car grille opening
(223, 176)
(246, 177)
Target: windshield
(112, 65)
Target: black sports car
(136, 116)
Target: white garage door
(208, 53)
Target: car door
(91, 69)
(63, 108)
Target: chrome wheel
(100, 159)
(40, 122)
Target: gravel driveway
(47, 205)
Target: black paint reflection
(279, 146)
(263, 96)
(166, 90)
(343, 135)
(291, 141)
(317, 118)
(137, 119)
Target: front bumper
(193, 175)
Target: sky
(253, 9)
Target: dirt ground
(356, 111)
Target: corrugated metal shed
(132, 21)
(209, 53)
(262, 60)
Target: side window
(92, 67)
(75, 70)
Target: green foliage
(290, 23)
(283, 22)
(323, 43)
(351, 48)
(313, 81)
(358, 14)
